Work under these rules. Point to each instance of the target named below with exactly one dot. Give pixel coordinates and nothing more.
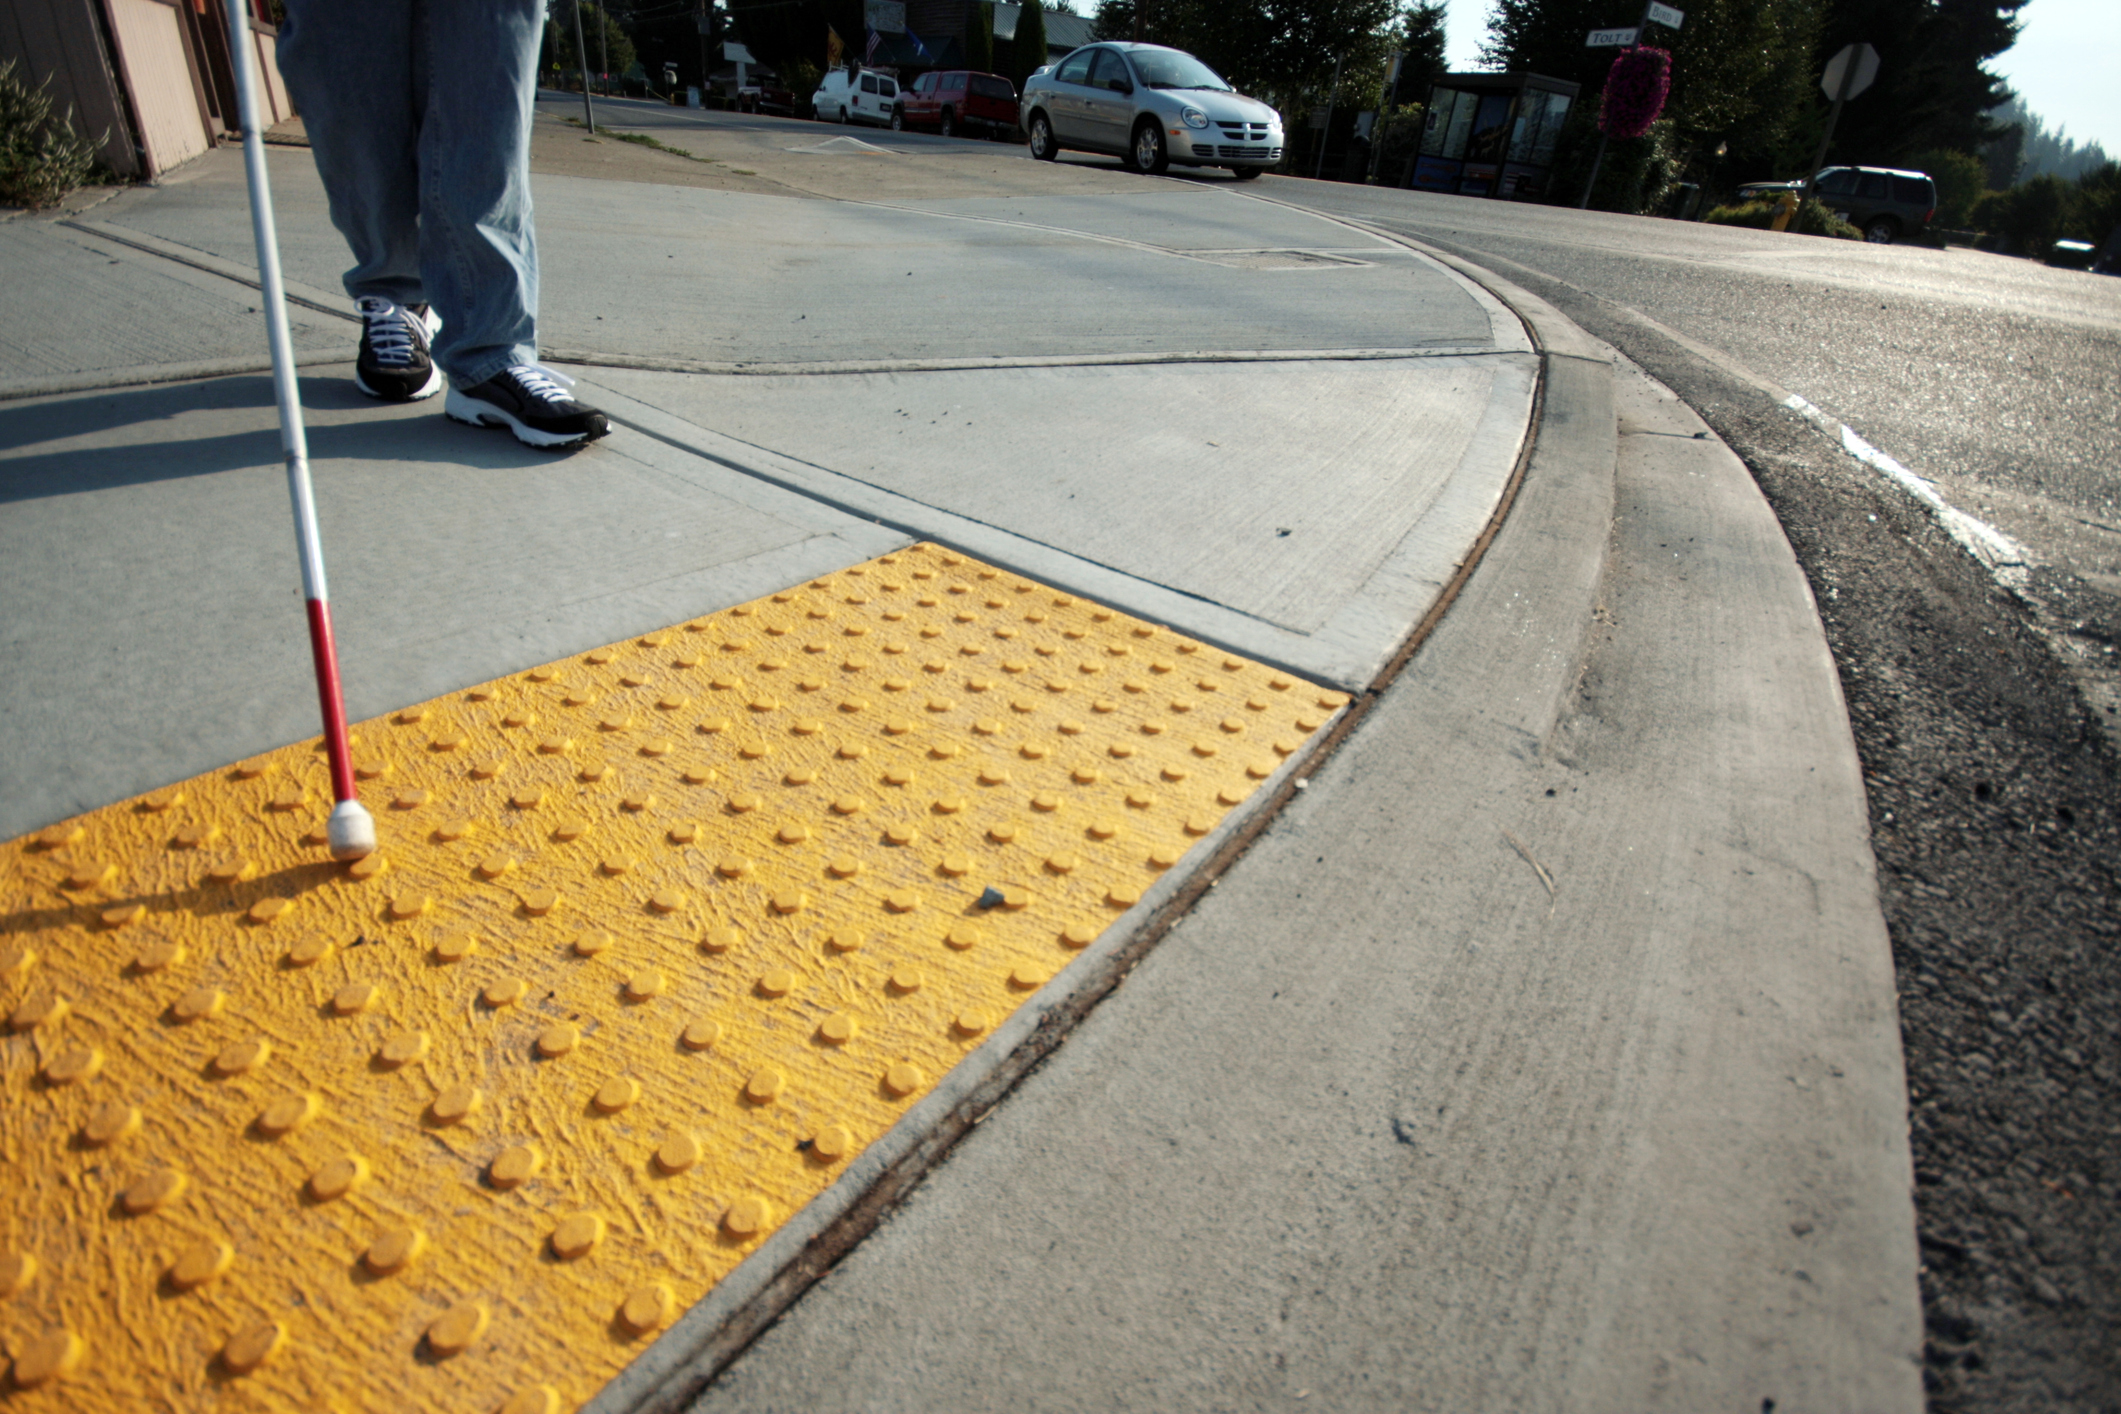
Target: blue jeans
(419, 114)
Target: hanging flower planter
(1635, 91)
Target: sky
(2066, 63)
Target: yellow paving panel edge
(658, 939)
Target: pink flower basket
(1635, 91)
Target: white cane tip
(351, 831)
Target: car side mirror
(1119, 85)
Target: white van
(856, 96)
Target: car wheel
(1245, 174)
(949, 124)
(1881, 231)
(898, 119)
(1041, 138)
(1147, 155)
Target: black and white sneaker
(531, 401)
(393, 363)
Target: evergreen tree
(1421, 39)
(2047, 150)
(1932, 89)
(1027, 51)
(979, 37)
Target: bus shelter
(1492, 134)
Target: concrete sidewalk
(1540, 1052)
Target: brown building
(152, 78)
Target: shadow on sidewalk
(109, 439)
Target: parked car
(765, 96)
(958, 100)
(856, 96)
(1884, 203)
(1150, 105)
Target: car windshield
(1167, 68)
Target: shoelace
(390, 330)
(542, 383)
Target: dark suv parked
(1883, 203)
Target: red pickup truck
(952, 101)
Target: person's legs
(350, 69)
(478, 248)
(347, 69)
(477, 67)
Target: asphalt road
(1991, 375)
(1976, 707)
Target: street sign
(1863, 57)
(1665, 15)
(1611, 38)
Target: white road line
(2004, 557)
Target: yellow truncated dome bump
(657, 941)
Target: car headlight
(1194, 118)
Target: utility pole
(581, 56)
(1325, 132)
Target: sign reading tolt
(1611, 38)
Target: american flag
(869, 54)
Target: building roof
(1063, 30)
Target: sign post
(1848, 73)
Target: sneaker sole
(432, 386)
(473, 413)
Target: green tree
(979, 36)
(1961, 178)
(2099, 202)
(2031, 216)
(1282, 50)
(1027, 51)
(601, 34)
(1421, 39)
(1933, 90)
(1741, 69)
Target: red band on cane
(335, 744)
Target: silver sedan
(1150, 105)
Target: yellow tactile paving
(658, 938)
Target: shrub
(1813, 219)
(1399, 143)
(42, 158)
(2099, 202)
(1961, 178)
(2031, 215)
